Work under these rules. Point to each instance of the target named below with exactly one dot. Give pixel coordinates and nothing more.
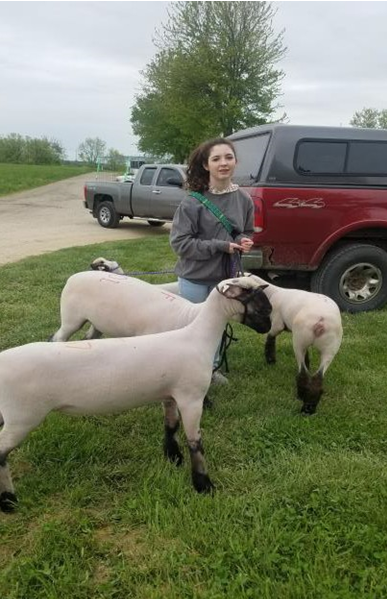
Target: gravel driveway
(53, 217)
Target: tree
(370, 118)
(29, 150)
(214, 73)
(115, 161)
(42, 151)
(92, 150)
(11, 148)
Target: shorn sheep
(118, 306)
(141, 308)
(315, 321)
(113, 375)
(114, 267)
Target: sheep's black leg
(270, 350)
(309, 390)
(200, 478)
(8, 499)
(191, 413)
(171, 426)
(207, 403)
(11, 435)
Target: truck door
(167, 193)
(142, 192)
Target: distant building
(134, 162)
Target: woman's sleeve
(184, 238)
(249, 220)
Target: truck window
(168, 173)
(250, 154)
(367, 158)
(320, 157)
(147, 176)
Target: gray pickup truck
(154, 195)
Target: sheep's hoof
(202, 483)
(308, 409)
(8, 502)
(173, 453)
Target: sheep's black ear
(263, 287)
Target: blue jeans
(197, 293)
(194, 292)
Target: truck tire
(156, 223)
(107, 216)
(354, 276)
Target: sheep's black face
(257, 311)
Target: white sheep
(114, 375)
(113, 267)
(315, 321)
(118, 306)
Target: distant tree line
(16, 149)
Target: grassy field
(300, 503)
(18, 177)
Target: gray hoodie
(200, 240)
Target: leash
(149, 272)
(227, 339)
(228, 333)
(236, 266)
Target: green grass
(18, 177)
(300, 506)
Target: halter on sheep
(174, 367)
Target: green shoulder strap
(214, 209)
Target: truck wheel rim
(104, 215)
(360, 283)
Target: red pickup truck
(320, 195)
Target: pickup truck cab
(320, 196)
(154, 196)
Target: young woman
(198, 237)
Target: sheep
(114, 267)
(111, 266)
(113, 375)
(315, 321)
(119, 306)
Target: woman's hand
(244, 246)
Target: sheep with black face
(315, 321)
(174, 367)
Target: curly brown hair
(197, 176)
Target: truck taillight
(258, 215)
(84, 192)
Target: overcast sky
(70, 70)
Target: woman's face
(221, 164)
